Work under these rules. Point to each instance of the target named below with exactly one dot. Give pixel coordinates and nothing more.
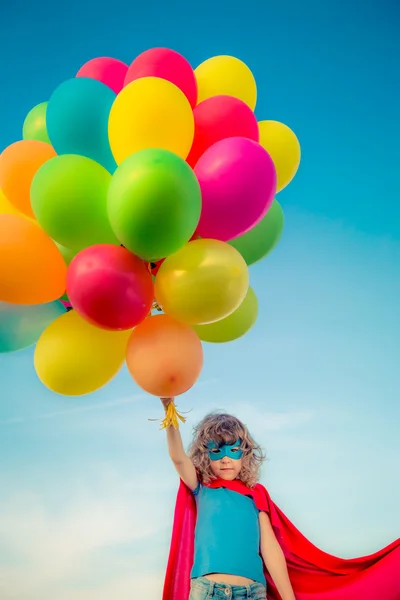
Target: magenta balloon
(110, 287)
(165, 64)
(238, 182)
(66, 303)
(109, 71)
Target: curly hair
(224, 428)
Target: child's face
(225, 460)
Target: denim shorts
(204, 589)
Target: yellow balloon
(284, 148)
(6, 208)
(150, 113)
(234, 326)
(73, 357)
(203, 282)
(226, 75)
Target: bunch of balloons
(138, 190)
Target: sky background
(86, 488)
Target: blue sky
(86, 488)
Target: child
(231, 541)
(234, 541)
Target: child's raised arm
(182, 462)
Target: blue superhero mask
(216, 452)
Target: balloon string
(154, 306)
(171, 417)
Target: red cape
(315, 575)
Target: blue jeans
(204, 589)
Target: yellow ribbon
(171, 417)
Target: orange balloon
(164, 356)
(6, 208)
(32, 269)
(18, 166)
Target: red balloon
(165, 64)
(109, 71)
(110, 287)
(218, 118)
(155, 267)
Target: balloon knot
(171, 417)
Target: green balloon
(154, 203)
(262, 239)
(234, 326)
(67, 253)
(69, 201)
(35, 127)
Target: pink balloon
(110, 287)
(165, 64)
(221, 117)
(238, 183)
(109, 71)
(66, 304)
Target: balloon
(32, 270)
(110, 287)
(21, 326)
(234, 326)
(284, 148)
(6, 208)
(109, 71)
(238, 181)
(165, 64)
(73, 358)
(18, 165)
(228, 76)
(35, 127)
(69, 199)
(262, 239)
(77, 120)
(150, 113)
(154, 203)
(155, 266)
(204, 282)
(221, 117)
(67, 253)
(164, 356)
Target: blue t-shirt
(227, 536)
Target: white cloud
(127, 587)
(130, 587)
(82, 408)
(93, 546)
(273, 421)
(256, 417)
(86, 406)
